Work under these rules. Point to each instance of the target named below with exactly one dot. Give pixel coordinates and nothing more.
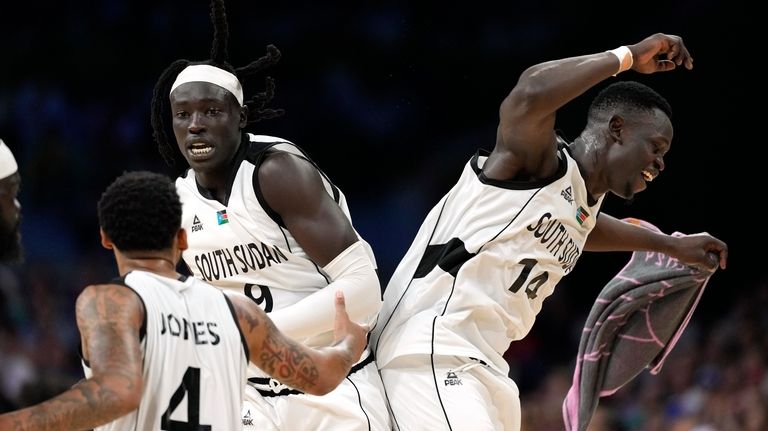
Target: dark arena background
(391, 100)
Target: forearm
(315, 371)
(86, 405)
(548, 86)
(351, 272)
(612, 234)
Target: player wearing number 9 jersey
(163, 351)
(265, 221)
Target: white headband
(213, 75)
(8, 164)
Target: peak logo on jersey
(196, 225)
(567, 194)
(221, 217)
(581, 215)
(247, 419)
(451, 379)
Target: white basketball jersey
(194, 355)
(244, 247)
(482, 263)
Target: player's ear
(243, 116)
(105, 241)
(615, 125)
(181, 239)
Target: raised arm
(526, 138)
(293, 188)
(612, 234)
(109, 318)
(314, 371)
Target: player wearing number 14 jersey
(517, 221)
(457, 293)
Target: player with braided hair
(266, 222)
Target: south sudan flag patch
(221, 217)
(581, 215)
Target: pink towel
(635, 322)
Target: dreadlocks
(257, 104)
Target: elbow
(335, 363)
(528, 94)
(329, 380)
(531, 91)
(126, 397)
(132, 400)
(322, 388)
(369, 302)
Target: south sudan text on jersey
(241, 258)
(554, 235)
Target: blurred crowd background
(391, 99)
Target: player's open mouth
(200, 149)
(648, 175)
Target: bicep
(294, 189)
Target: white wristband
(625, 58)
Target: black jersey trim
(239, 328)
(562, 168)
(434, 373)
(256, 157)
(121, 281)
(450, 257)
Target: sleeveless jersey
(243, 246)
(195, 357)
(482, 263)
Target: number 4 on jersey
(190, 385)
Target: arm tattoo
(109, 318)
(277, 355)
(285, 360)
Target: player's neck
(160, 265)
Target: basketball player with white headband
(11, 250)
(265, 221)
